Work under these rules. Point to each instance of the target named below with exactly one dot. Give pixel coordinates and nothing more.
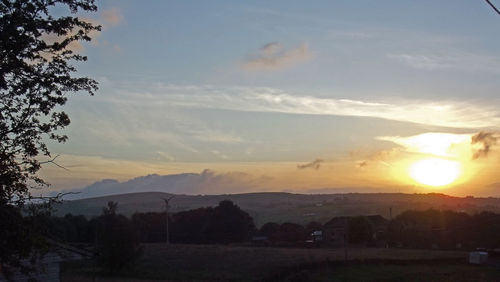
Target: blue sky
(228, 85)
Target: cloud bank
(206, 182)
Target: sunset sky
(291, 96)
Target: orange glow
(435, 171)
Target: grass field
(237, 263)
(387, 270)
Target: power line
(493, 6)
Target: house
(379, 226)
(335, 231)
(317, 236)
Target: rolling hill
(282, 207)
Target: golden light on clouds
(434, 159)
(434, 143)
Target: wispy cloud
(275, 56)
(220, 155)
(164, 156)
(463, 114)
(216, 136)
(135, 121)
(451, 61)
(351, 35)
(112, 17)
(364, 159)
(109, 18)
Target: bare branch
(56, 197)
(52, 161)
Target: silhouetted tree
(191, 226)
(14, 238)
(270, 230)
(117, 241)
(485, 230)
(445, 229)
(36, 76)
(291, 232)
(151, 226)
(414, 228)
(68, 228)
(228, 223)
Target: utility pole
(346, 245)
(167, 207)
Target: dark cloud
(486, 140)
(314, 164)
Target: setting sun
(435, 171)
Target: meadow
(178, 262)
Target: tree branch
(52, 161)
(56, 197)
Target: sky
(373, 96)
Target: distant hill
(282, 207)
(205, 183)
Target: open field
(391, 270)
(237, 263)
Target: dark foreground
(235, 263)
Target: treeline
(115, 240)
(445, 230)
(227, 223)
(287, 232)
